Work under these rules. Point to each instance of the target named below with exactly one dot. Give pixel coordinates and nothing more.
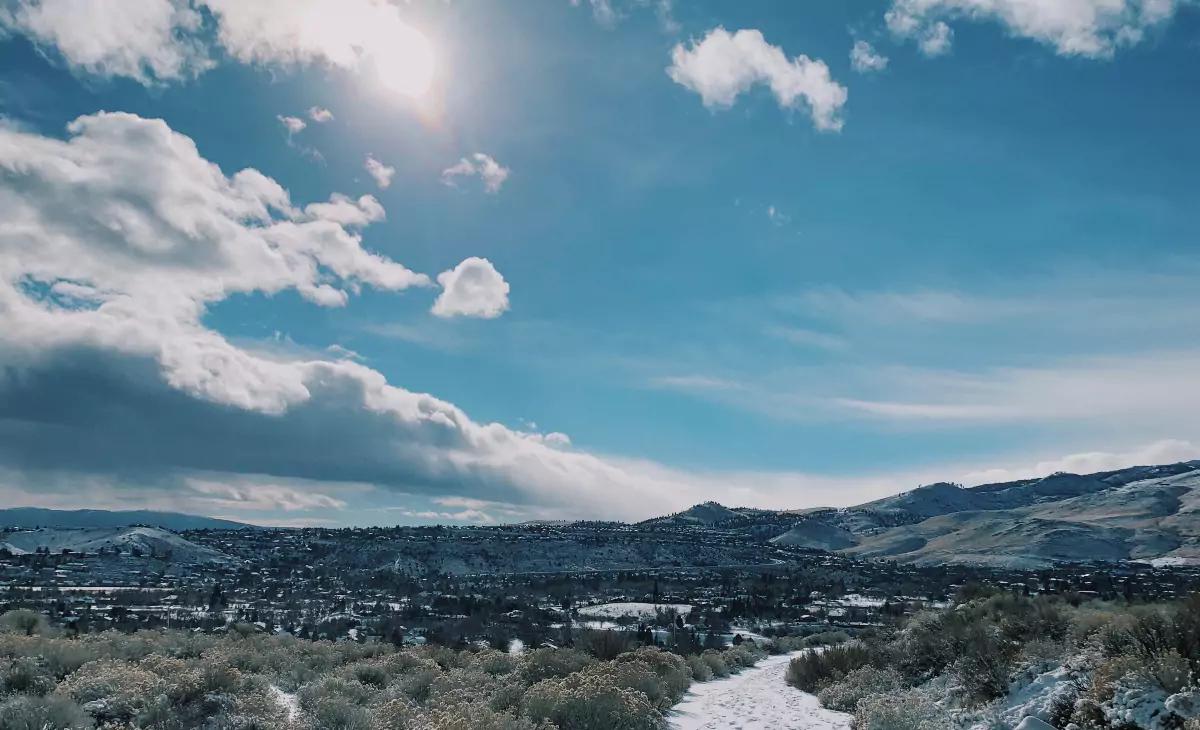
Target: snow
(756, 699)
(641, 611)
(287, 701)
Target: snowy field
(756, 699)
(640, 611)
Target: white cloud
(155, 41)
(1089, 28)
(490, 172)
(865, 59)
(151, 41)
(935, 40)
(606, 13)
(320, 115)
(1167, 451)
(472, 289)
(258, 496)
(1145, 389)
(722, 66)
(293, 125)
(381, 173)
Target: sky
(349, 262)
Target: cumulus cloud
(320, 115)
(472, 289)
(491, 173)
(379, 172)
(154, 41)
(150, 41)
(293, 125)
(723, 65)
(114, 242)
(865, 59)
(1088, 28)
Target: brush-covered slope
(1140, 513)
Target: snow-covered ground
(641, 611)
(756, 699)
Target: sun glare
(405, 64)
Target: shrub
(26, 676)
(550, 663)
(604, 644)
(42, 713)
(984, 667)
(701, 671)
(911, 710)
(474, 717)
(813, 671)
(825, 638)
(586, 701)
(112, 689)
(23, 621)
(716, 662)
(843, 694)
(670, 668)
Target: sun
(405, 63)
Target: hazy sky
(356, 261)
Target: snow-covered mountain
(1146, 513)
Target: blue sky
(691, 251)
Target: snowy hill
(1146, 513)
(146, 541)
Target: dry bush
(811, 672)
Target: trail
(756, 699)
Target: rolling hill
(1144, 513)
(146, 541)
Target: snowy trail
(756, 699)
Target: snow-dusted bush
(844, 694)
(53, 712)
(911, 710)
(588, 701)
(671, 669)
(112, 689)
(701, 671)
(716, 662)
(983, 666)
(26, 675)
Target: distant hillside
(36, 517)
(146, 541)
(1146, 513)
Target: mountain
(148, 541)
(1145, 513)
(36, 517)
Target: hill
(1144, 513)
(28, 517)
(145, 541)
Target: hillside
(146, 541)
(29, 517)
(1146, 513)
